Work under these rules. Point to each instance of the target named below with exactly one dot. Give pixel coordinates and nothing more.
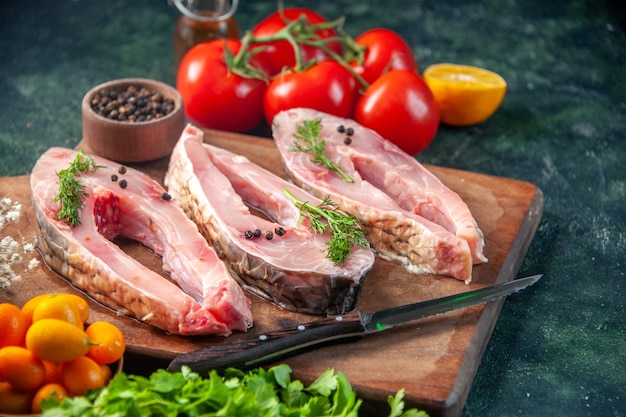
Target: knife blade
(254, 351)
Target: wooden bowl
(133, 141)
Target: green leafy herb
(345, 230)
(397, 405)
(309, 133)
(72, 190)
(257, 392)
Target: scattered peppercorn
(166, 196)
(347, 140)
(258, 233)
(134, 104)
(341, 129)
(269, 235)
(123, 184)
(279, 231)
(113, 177)
(349, 131)
(122, 170)
(248, 234)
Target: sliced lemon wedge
(466, 95)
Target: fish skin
(207, 300)
(217, 188)
(412, 218)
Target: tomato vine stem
(299, 32)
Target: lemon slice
(466, 95)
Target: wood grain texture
(434, 360)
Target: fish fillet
(205, 298)
(412, 218)
(227, 195)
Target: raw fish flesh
(412, 218)
(228, 196)
(126, 203)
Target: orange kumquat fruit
(21, 368)
(80, 375)
(55, 390)
(58, 306)
(107, 342)
(45, 351)
(29, 307)
(80, 303)
(56, 340)
(13, 325)
(52, 372)
(107, 373)
(466, 95)
(13, 401)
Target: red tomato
(385, 51)
(281, 53)
(401, 108)
(326, 86)
(215, 97)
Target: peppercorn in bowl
(132, 119)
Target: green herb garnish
(258, 392)
(345, 230)
(72, 190)
(309, 133)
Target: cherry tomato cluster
(296, 58)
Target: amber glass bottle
(201, 21)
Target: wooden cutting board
(434, 360)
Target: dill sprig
(345, 230)
(72, 190)
(309, 133)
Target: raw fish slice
(217, 188)
(210, 301)
(412, 218)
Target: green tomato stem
(299, 33)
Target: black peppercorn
(122, 170)
(279, 231)
(258, 233)
(341, 129)
(349, 131)
(166, 196)
(248, 234)
(113, 177)
(123, 184)
(347, 140)
(269, 235)
(134, 104)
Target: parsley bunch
(256, 393)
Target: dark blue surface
(558, 348)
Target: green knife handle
(250, 352)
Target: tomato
(216, 97)
(281, 53)
(385, 50)
(401, 108)
(326, 86)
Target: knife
(250, 352)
